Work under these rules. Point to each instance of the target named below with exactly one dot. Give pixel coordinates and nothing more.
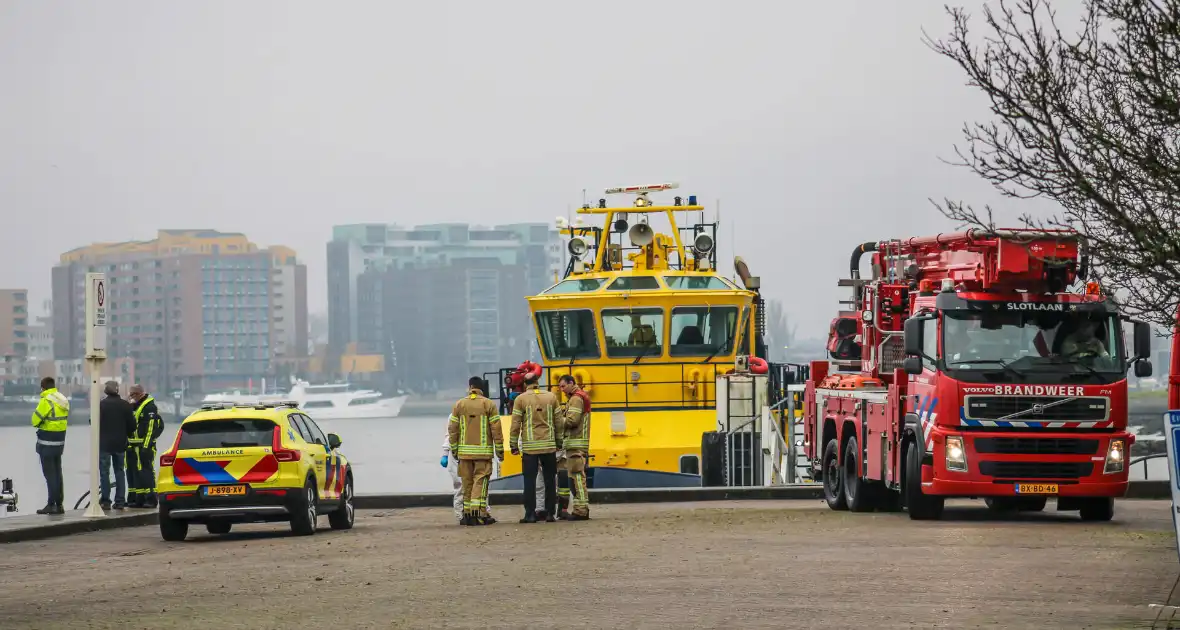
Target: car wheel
(345, 515)
(171, 529)
(218, 527)
(303, 512)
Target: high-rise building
(355, 249)
(195, 308)
(14, 323)
(439, 302)
(41, 333)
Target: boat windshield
(568, 334)
(634, 283)
(1063, 341)
(703, 330)
(696, 283)
(576, 285)
(633, 332)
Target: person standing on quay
(49, 418)
(116, 426)
(476, 439)
(141, 456)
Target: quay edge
(37, 527)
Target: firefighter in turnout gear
(141, 450)
(534, 414)
(576, 422)
(475, 439)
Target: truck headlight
(956, 455)
(1116, 457)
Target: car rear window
(226, 433)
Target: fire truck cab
(967, 368)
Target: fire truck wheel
(888, 500)
(857, 492)
(921, 507)
(1097, 509)
(833, 486)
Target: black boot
(563, 504)
(466, 520)
(48, 509)
(58, 509)
(487, 520)
(150, 500)
(529, 518)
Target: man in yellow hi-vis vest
(49, 418)
(141, 451)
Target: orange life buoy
(758, 365)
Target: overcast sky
(819, 125)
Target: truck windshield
(1069, 341)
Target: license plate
(224, 491)
(1036, 488)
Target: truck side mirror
(913, 337)
(1142, 341)
(913, 365)
(1142, 368)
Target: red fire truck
(967, 368)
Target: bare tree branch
(1090, 120)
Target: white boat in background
(332, 401)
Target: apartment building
(14, 323)
(198, 309)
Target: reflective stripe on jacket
(577, 423)
(474, 428)
(535, 413)
(148, 425)
(50, 418)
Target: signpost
(96, 355)
(1171, 439)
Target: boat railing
(696, 392)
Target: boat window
(568, 334)
(696, 283)
(703, 330)
(225, 433)
(316, 404)
(364, 400)
(633, 332)
(575, 285)
(744, 333)
(634, 283)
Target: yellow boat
(645, 328)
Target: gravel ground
(790, 564)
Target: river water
(387, 455)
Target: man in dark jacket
(115, 428)
(141, 456)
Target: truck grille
(1035, 446)
(1037, 470)
(1086, 408)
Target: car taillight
(169, 458)
(283, 454)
